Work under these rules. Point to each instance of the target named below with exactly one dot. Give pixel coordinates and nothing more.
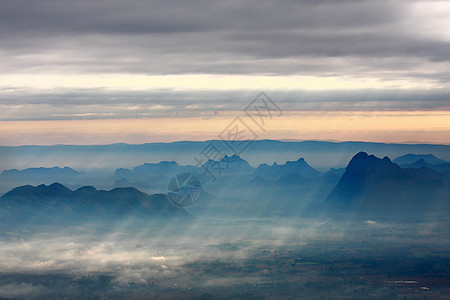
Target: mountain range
(368, 186)
(163, 168)
(228, 165)
(31, 173)
(300, 166)
(320, 154)
(55, 202)
(416, 161)
(411, 158)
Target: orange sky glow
(390, 127)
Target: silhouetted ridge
(155, 170)
(371, 185)
(230, 164)
(57, 201)
(421, 163)
(275, 171)
(86, 189)
(41, 171)
(413, 158)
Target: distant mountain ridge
(146, 169)
(164, 170)
(228, 164)
(56, 201)
(410, 158)
(41, 171)
(299, 166)
(416, 161)
(321, 154)
(150, 174)
(367, 186)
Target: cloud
(89, 60)
(19, 290)
(383, 39)
(103, 104)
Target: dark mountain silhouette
(410, 158)
(57, 202)
(378, 187)
(300, 167)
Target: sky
(98, 71)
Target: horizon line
(259, 140)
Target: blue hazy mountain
(55, 172)
(257, 182)
(299, 167)
(12, 178)
(416, 161)
(410, 159)
(229, 165)
(292, 179)
(320, 154)
(421, 163)
(335, 173)
(55, 202)
(374, 186)
(288, 195)
(149, 170)
(123, 182)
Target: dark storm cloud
(353, 38)
(136, 17)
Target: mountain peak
(363, 164)
(299, 166)
(361, 155)
(86, 189)
(161, 163)
(379, 186)
(232, 163)
(234, 158)
(168, 163)
(55, 187)
(40, 190)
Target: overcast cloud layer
(382, 40)
(92, 104)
